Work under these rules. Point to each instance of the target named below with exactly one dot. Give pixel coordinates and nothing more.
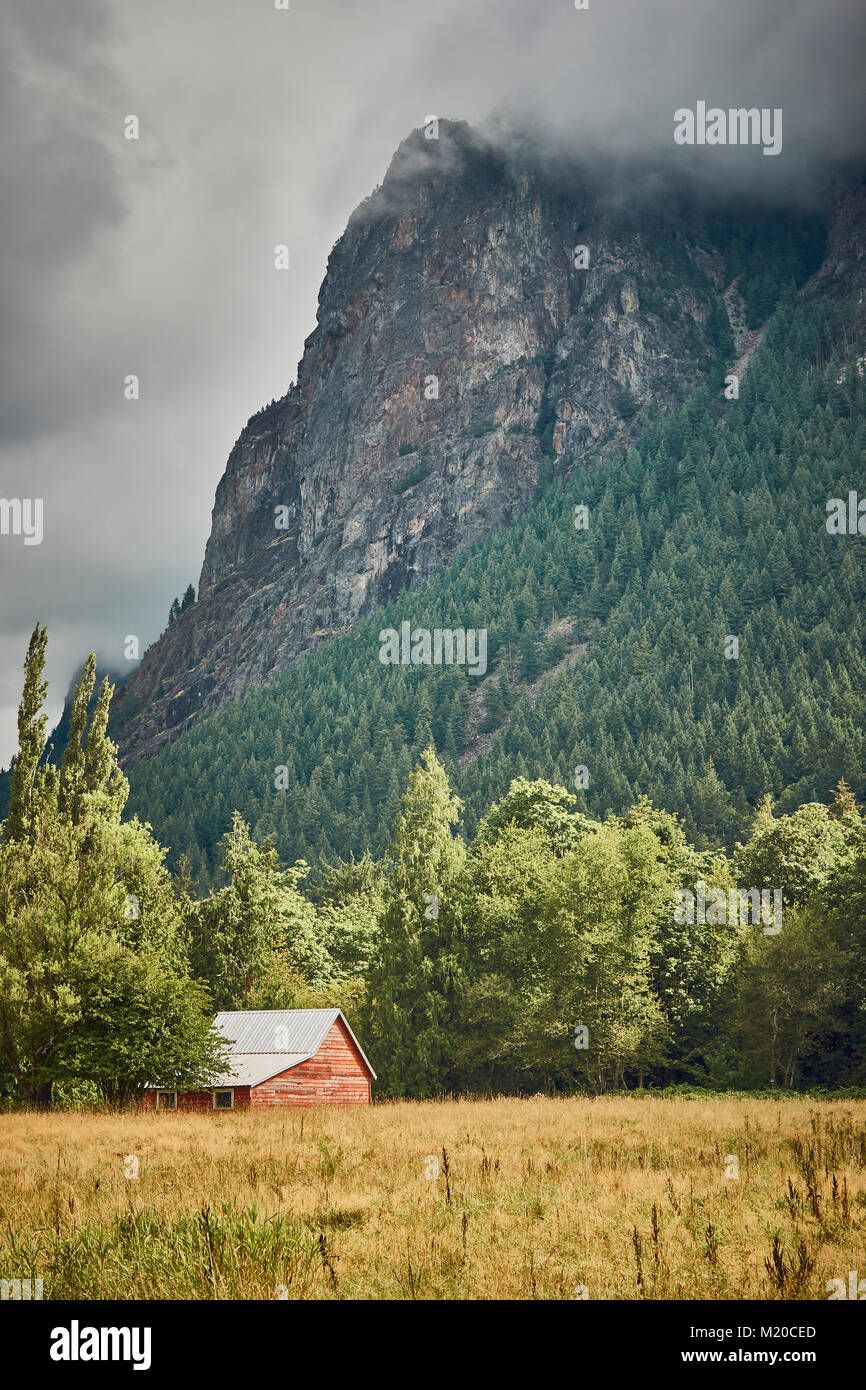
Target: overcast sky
(261, 126)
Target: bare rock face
(841, 278)
(462, 338)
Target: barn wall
(337, 1075)
(200, 1100)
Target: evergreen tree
(415, 976)
(236, 931)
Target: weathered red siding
(337, 1075)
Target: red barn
(280, 1057)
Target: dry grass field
(625, 1196)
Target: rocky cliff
(463, 345)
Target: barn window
(223, 1100)
(166, 1100)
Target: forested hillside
(712, 527)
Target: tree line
(545, 952)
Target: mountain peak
(476, 332)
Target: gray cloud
(258, 127)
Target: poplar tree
(32, 721)
(416, 972)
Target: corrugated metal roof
(276, 1030)
(248, 1069)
